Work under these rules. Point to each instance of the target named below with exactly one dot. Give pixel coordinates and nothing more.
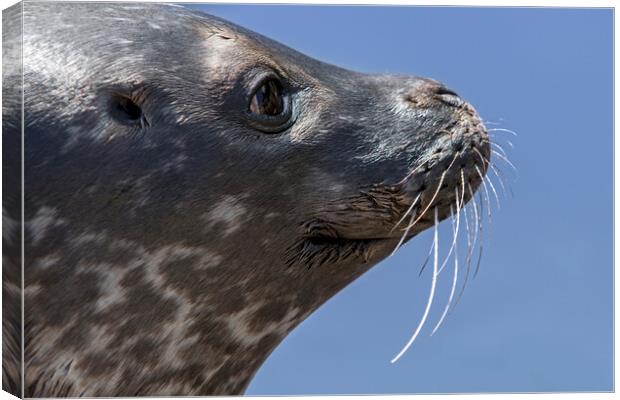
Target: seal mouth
(386, 214)
(352, 245)
(390, 215)
(316, 250)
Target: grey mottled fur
(171, 257)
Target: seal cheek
(227, 215)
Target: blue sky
(538, 317)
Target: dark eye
(268, 99)
(126, 111)
(271, 108)
(130, 109)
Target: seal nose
(447, 96)
(441, 90)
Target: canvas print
(205, 199)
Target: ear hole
(126, 111)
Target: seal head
(195, 190)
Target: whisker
(455, 231)
(493, 189)
(503, 130)
(476, 232)
(445, 261)
(466, 217)
(463, 188)
(479, 259)
(486, 191)
(422, 163)
(404, 236)
(470, 233)
(481, 246)
(492, 123)
(484, 160)
(500, 148)
(506, 160)
(509, 143)
(428, 256)
(500, 178)
(430, 203)
(452, 290)
(477, 214)
(407, 212)
(430, 296)
(470, 247)
(496, 139)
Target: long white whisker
(509, 143)
(495, 142)
(492, 123)
(430, 203)
(476, 232)
(445, 261)
(404, 236)
(503, 130)
(500, 178)
(428, 256)
(456, 232)
(499, 148)
(506, 160)
(486, 191)
(479, 259)
(430, 296)
(477, 215)
(481, 246)
(422, 163)
(499, 143)
(484, 160)
(407, 212)
(470, 232)
(493, 189)
(462, 189)
(458, 205)
(452, 290)
(466, 217)
(469, 235)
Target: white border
(478, 3)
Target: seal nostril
(448, 96)
(442, 90)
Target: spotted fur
(170, 254)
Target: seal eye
(271, 108)
(267, 100)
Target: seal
(194, 190)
